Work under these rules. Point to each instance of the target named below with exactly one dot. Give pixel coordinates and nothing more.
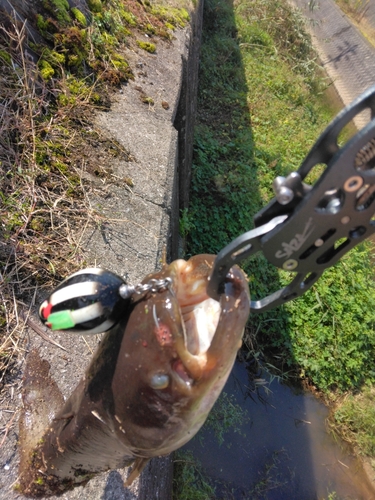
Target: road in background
(347, 57)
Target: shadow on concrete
(115, 489)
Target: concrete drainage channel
(141, 223)
(345, 54)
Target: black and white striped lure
(89, 301)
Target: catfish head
(178, 348)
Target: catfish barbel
(149, 387)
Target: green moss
(128, 17)
(59, 9)
(150, 29)
(147, 46)
(81, 50)
(76, 90)
(39, 481)
(5, 57)
(109, 40)
(53, 57)
(46, 70)
(147, 100)
(77, 86)
(79, 16)
(41, 23)
(119, 62)
(169, 26)
(74, 59)
(74, 43)
(37, 224)
(95, 5)
(63, 100)
(173, 16)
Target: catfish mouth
(200, 317)
(200, 323)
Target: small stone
(165, 104)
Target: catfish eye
(159, 381)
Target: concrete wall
(138, 224)
(184, 122)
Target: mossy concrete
(137, 222)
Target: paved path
(346, 55)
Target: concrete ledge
(135, 223)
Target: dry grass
(51, 155)
(44, 204)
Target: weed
(186, 223)
(332, 338)
(47, 137)
(190, 481)
(42, 195)
(226, 415)
(359, 11)
(270, 478)
(355, 8)
(353, 418)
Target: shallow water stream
(283, 452)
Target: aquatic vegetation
(226, 415)
(190, 481)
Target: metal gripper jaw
(308, 228)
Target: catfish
(148, 389)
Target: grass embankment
(51, 154)
(261, 107)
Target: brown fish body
(151, 383)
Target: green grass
(331, 329)
(354, 420)
(190, 481)
(261, 108)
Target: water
(283, 452)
